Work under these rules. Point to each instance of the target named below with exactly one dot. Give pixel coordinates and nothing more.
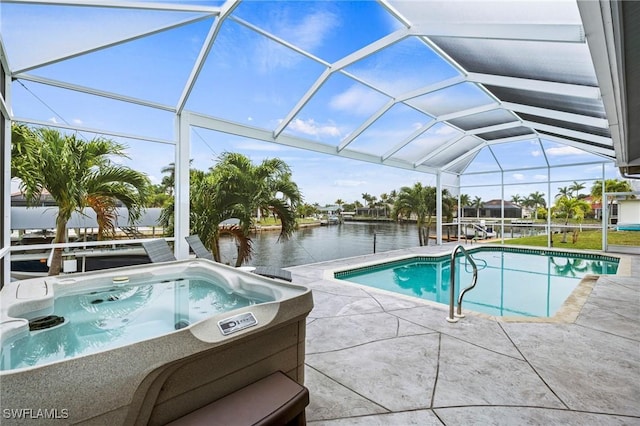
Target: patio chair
(158, 250)
(267, 271)
(198, 247)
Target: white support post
(459, 208)
(438, 208)
(5, 249)
(549, 236)
(181, 190)
(603, 207)
(502, 206)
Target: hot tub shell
(160, 379)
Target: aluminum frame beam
(103, 46)
(94, 92)
(563, 33)
(439, 149)
(122, 5)
(566, 89)
(557, 115)
(607, 153)
(598, 20)
(93, 130)
(362, 53)
(364, 126)
(228, 7)
(568, 132)
(225, 126)
(494, 128)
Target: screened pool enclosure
(469, 94)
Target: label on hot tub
(237, 323)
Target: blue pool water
(511, 282)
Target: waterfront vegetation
(235, 189)
(82, 174)
(589, 240)
(78, 174)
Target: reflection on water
(509, 284)
(118, 315)
(422, 278)
(322, 243)
(574, 267)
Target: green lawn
(268, 221)
(587, 240)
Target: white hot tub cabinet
(157, 380)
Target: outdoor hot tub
(144, 344)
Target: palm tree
(576, 187)
(370, 200)
(464, 201)
(306, 209)
(535, 200)
(449, 204)
(168, 182)
(611, 185)
(393, 194)
(384, 202)
(236, 188)
(565, 191)
(77, 174)
(340, 203)
(477, 203)
(112, 184)
(158, 196)
(517, 199)
(418, 201)
(571, 207)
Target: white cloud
(565, 150)
(357, 99)
(540, 177)
(310, 32)
(518, 176)
(270, 56)
(536, 153)
(75, 121)
(310, 127)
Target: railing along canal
(452, 287)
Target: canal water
(321, 243)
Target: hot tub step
(273, 400)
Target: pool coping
(566, 314)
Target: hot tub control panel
(236, 323)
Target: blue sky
(252, 80)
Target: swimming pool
(512, 282)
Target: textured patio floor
(375, 359)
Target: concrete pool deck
(378, 359)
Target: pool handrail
(455, 317)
